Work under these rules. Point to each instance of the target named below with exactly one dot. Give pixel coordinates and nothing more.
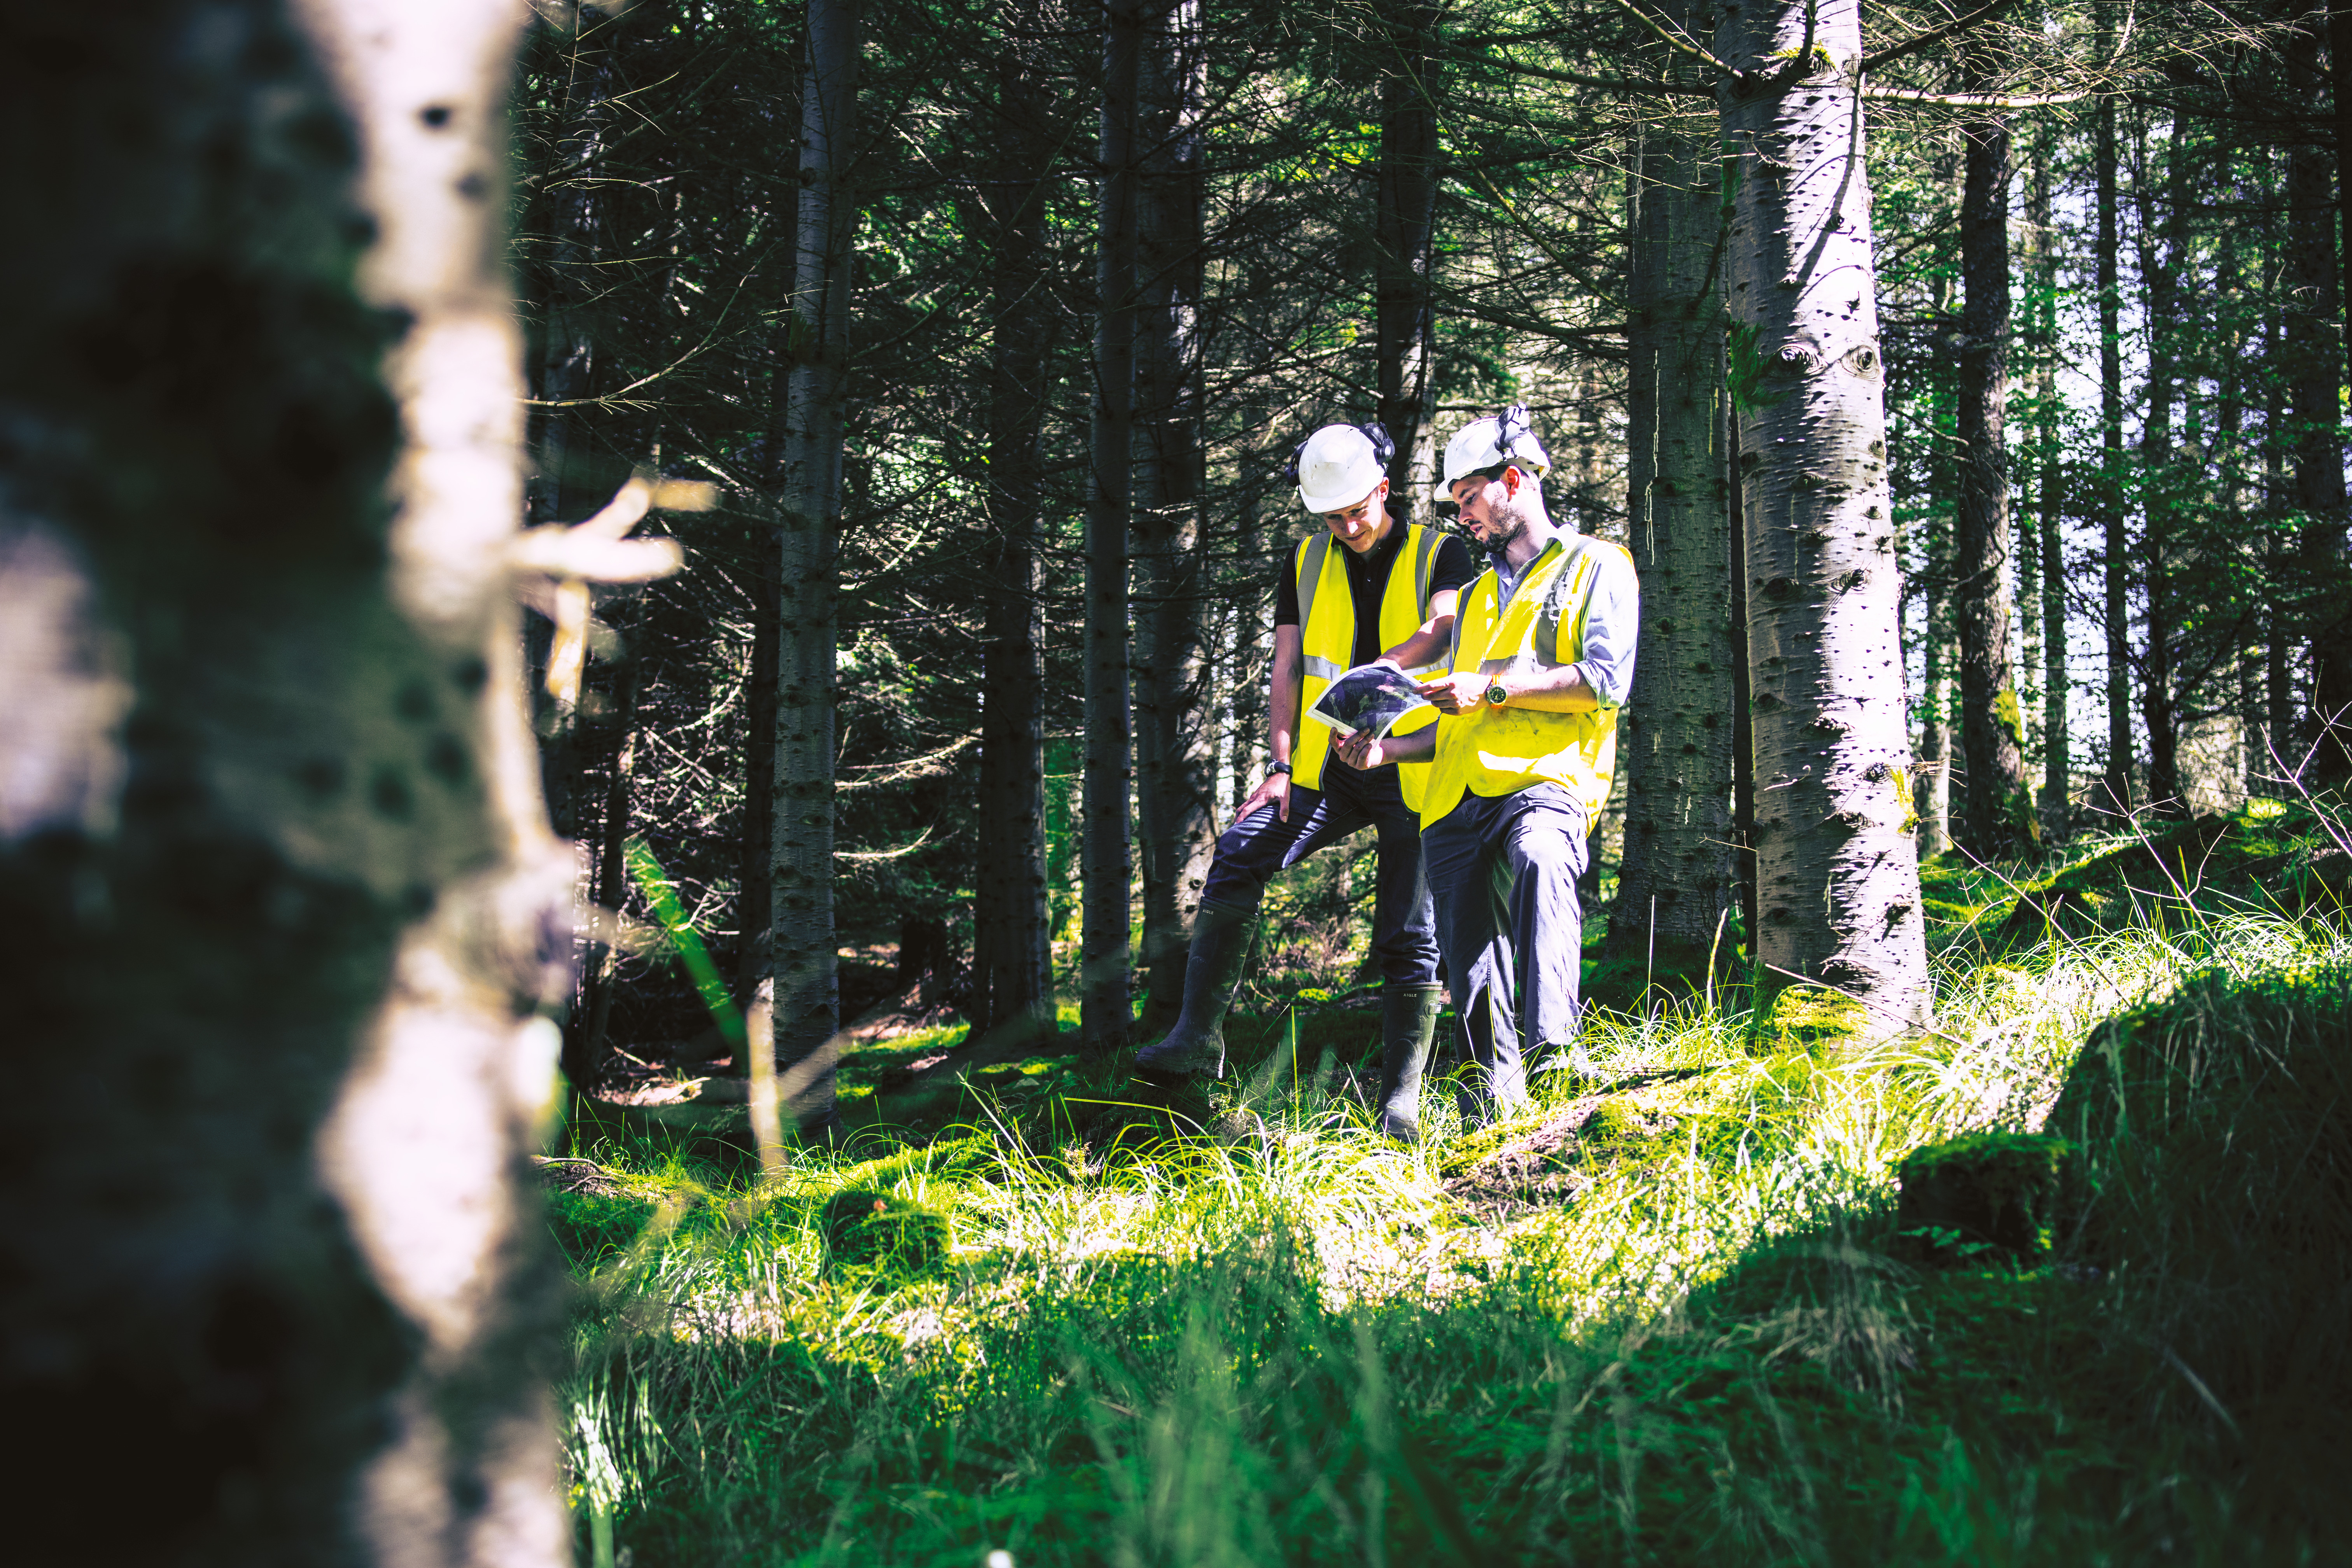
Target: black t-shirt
(1368, 583)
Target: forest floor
(1674, 1312)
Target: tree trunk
(1104, 1015)
(2315, 375)
(804, 1010)
(1676, 745)
(2116, 541)
(2158, 488)
(583, 1057)
(1013, 953)
(276, 889)
(2281, 721)
(1838, 881)
(1743, 706)
(566, 359)
(2056, 760)
(1175, 756)
(1404, 223)
(1932, 791)
(756, 909)
(2000, 813)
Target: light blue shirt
(1612, 622)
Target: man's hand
(1359, 751)
(1274, 791)
(1458, 693)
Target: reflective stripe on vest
(1327, 620)
(1501, 750)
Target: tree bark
(583, 1056)
(566, 360)
(1105, 1018)
(2159, 484)
(1743, 705)
(804, 1017)
(2315, 369)
(1932, 790)
(1405, 230)
(1673, 734)
(2115, 571)
(1838, 881)
(1175, 756)
(2056, 760)
(1013, 968)
(276, 881)
(2000, 815)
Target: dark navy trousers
(1503, 869)
(1404, 926)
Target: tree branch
(1679, 45)
(1970, 100)
(1872, 60)
(1577, 78)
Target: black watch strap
(1274, 768)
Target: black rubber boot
(1195, 1047)
(1408, 1032)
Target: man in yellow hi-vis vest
(1386, 591)
(1522, 761)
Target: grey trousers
(1502, 873)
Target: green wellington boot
(1195, 1047)
(1408, 1034)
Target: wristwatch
(1495, 693)
(1274, 768)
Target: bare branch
(1912, 45)
(1970, 100)
(1673, 41)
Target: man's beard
(1511, 522)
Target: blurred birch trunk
(275, 874)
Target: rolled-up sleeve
(1613, 627)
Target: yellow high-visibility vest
(1493, 750)
(1327, 620)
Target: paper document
(1369, 697)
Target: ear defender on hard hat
(1340, 465)
(1490, 442)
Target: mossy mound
(874, 1230)
(1997, 1191)
(2275, 855)
(2214, 1176)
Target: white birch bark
(272, 852)
(1838, 884)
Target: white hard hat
(1340, 465)
(1489, 441)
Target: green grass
(1314, 1347)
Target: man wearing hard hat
(1522, 761)
(1386, 593)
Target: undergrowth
(1683, 1330)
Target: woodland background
(1963, 1175)
(2117, 314)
